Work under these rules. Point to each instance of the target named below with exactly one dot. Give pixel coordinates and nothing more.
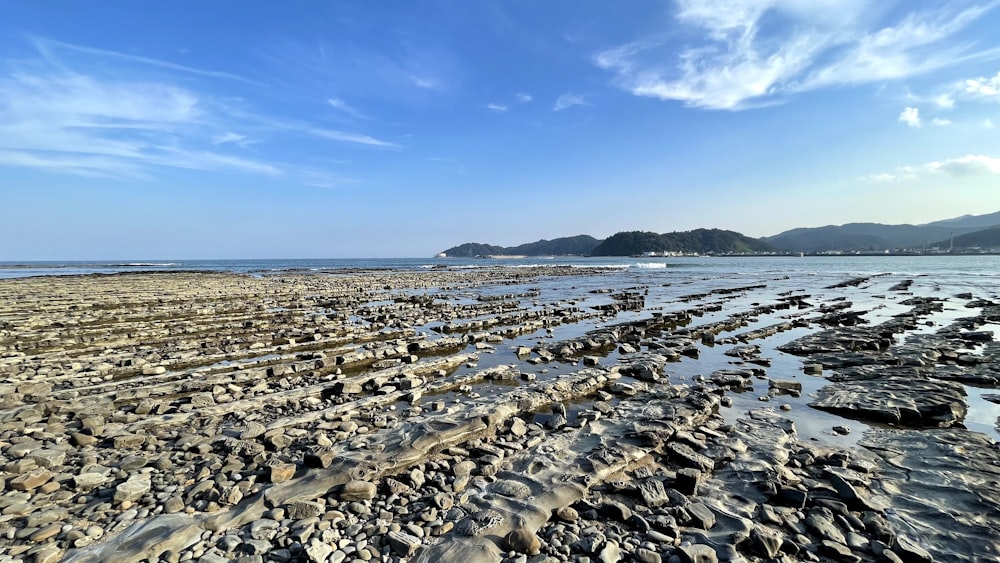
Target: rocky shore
(508, 414)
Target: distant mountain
(580, 245)
(876, 236)
(977, 221)
(473, 249)
(986, 238)
(702, 241)
(865, 237)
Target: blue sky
(392, 129)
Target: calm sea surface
(978, 266)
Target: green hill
(701, 241)
(580, 245)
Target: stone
(133, 462)
(88, 481)
(687, 481)
(319, 459)
(687, 457)
(567, 514)
(48, 458)
(701, 516)
(910, 552)
(128, 441)
(50, 531)
(358, 490)
(30, 480)
(697, 553)
(615, 510)
(282, 472)
(610, 553)
(173, 505)
(317, 551)
(825, 528)
(133, 489)
(49, 553)
(301, 509)
(463, 468)
(199, 400)
(765, 541)
(524, 541)
(405, 545)
(653, 493)
(252, 430)
(785, 385)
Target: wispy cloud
(344, 107)
(356, 138)
(524, 98)
(941, 122)
(50, 50)
(987, 123)
(499, 108)
(569, 100)
(748, 53)
(961, 167)
(911, 117)
(93, 112)
(323, 178)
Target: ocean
(978, 266)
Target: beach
(500, 413)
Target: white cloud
(496, 107)
(965, 166)
(987, 123)
(911, 117)
(356, 138)
(67, 121)
(342, 106)
(228, 138)
(524, 98)
(983, 87)
(747, 53)
(944, 101)
(883, 177)
(970, 165)
(569, 100)
(941, 122)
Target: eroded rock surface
(486, 415)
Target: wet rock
(896, 400)
(910, 552)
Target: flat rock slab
(896, 400)
(943, 482)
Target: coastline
(431, 414)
